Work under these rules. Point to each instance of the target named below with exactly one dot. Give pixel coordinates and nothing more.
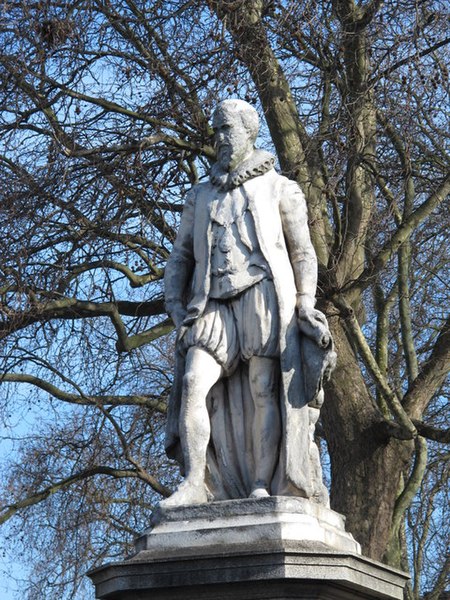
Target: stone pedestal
(273, 548)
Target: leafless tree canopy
(103, 128)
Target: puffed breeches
(238, 328)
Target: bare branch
(9, 510)
(406, 497)
(431, 376)
(71, 308)
(136, 281)
(402, 234)
(141, 472)
(147, 401)
(366, 354)
(410, 59)
(432, 433)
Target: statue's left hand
(313, 324)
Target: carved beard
(225, 156)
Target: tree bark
(366, 465)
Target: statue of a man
(252, 350)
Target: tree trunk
(366, 465)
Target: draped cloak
(279, 212)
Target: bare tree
(104, 126)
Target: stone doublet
(236, 260)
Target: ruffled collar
(257, 164)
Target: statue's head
(236, 126)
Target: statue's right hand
(180, 332)
(178, 317)
(183, 319)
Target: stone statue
(251, 350)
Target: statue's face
(233, 142)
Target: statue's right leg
(201, 373)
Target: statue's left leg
(266, 428)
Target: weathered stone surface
(248, 521)
(252, 351)
(271, 548)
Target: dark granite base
(252, 573)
